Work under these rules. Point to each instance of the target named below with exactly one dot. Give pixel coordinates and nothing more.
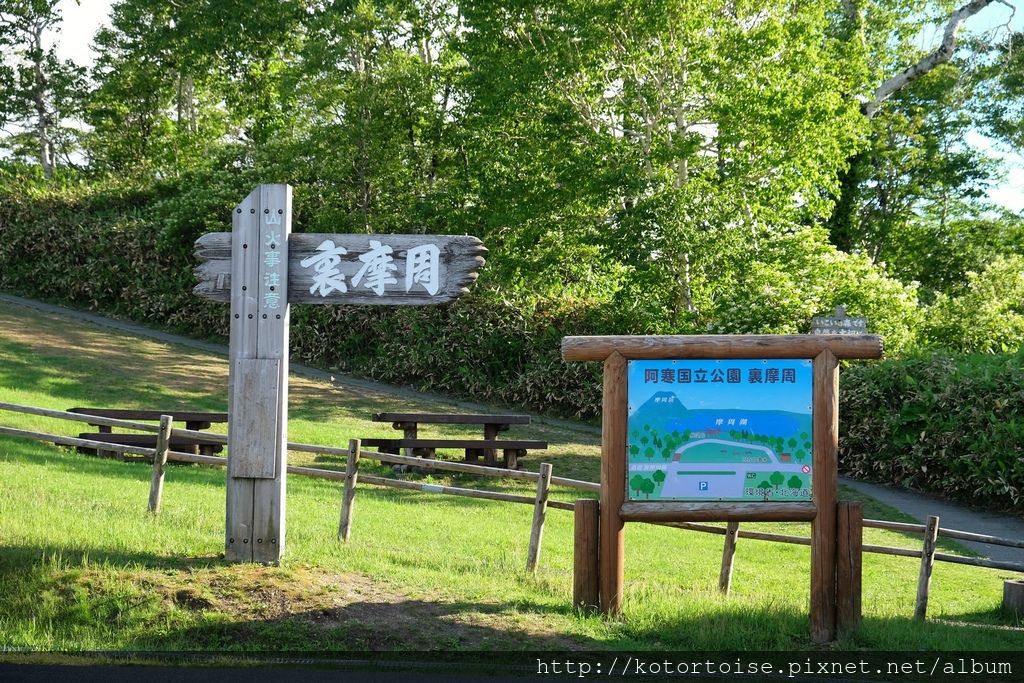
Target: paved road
(920, 506)
(914, 504)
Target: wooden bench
(193, 420)
(513, 450)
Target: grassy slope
(82, 566)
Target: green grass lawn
(83, 566)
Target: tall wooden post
(585, 584)
(613, 483)
(258, 372)
(824, 490)
(849, 548)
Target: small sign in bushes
(839, 323)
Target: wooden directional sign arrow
(260, 267)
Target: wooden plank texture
(849, 549)
(254, 430)
(458, 259)
(585, 580)
(613, 484)
(824, 490)
(132, 414)
(721, 346)
(453, 418)
(454, 443)
(272, 343)
(673, 511)
(241, 344)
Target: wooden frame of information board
(825, 352)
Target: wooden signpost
(260, 267)
(731, 454)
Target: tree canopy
(673, 166)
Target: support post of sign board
(258, 376)
(613, 483)
(850, 522)
(585, 584)
(824, 490)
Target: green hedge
(112, 256)
(950, 424)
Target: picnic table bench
(513, 450)
(193, 420)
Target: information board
(719, 430)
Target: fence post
(849, 556)
(348, 497)
(540, 508)
(163, 442)
(728, 552)
(585, 580)
(924, 579)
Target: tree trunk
(39, 99)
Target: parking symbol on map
(702, 486)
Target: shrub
(950, 424)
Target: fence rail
(927, 554)
(392, 458)
(161, 454)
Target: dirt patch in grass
(321, 610)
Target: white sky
(81, 21)
(80, 24)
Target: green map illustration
(729, 430)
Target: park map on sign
(719, 430)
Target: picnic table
(513, 450)
(196, 421)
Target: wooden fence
(586, 511)
(928, 553)
(161, 454)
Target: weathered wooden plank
(133, 414)
(272, 343)
(721, 346)
(255, 424)
(454, 419)
(613, 483)
(679, 511)
(454, 443)
(825, 492)
(849, 565)
(244, 271)
(331, 269)
(540, 507)
(585, 580)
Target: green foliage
(944, 423)
(988, 316)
